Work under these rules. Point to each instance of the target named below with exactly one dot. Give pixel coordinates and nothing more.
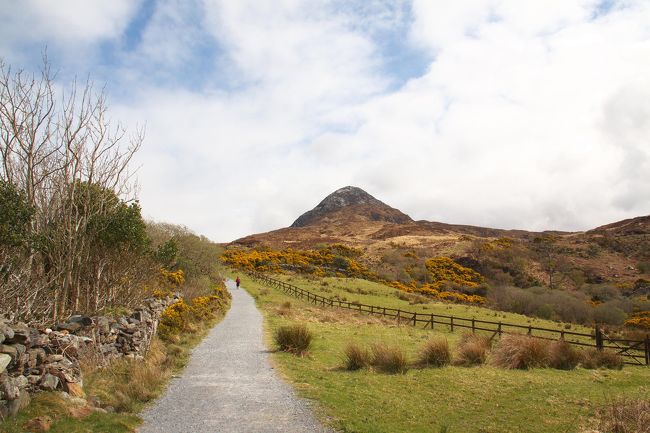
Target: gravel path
(229, 385)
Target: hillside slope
(617, 252)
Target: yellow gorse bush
(335, 259)
(173, 319)
(640, 319)
(176, 278)
(499, 243)
(179, 316)
(341, 261)
(445, 270)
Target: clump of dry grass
(472, 349)
(435, 352)
(126, 383)
(294, 339)
(356, 357)
(520, 352)
(594, 358)
(264, 292)
(389, 359)
(624, 416)
(562, 355)
(284, 309)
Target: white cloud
(72, 22)
(530, 115)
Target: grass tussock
(520, 352)
(625, 416)
(435, 352)
(593, 358)
(294, 339)
(284, 309)
(472, 349)
(356, 357)
(562, 356)
(389, 359)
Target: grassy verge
(123, 388)
(453, 399)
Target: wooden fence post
(499, 329)
(647, 349)
(431, 320)
(399, 319)
(473, 326)
(452, 323)
(599, 338)
(415, 316)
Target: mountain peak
(352, 196)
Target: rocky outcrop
(351, 196)
(33, 359)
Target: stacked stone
(33, 360)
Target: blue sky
(501, 113)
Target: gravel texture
(229, 384)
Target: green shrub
(435, 352)
(520, 352)
(294, 339)
(472, 349)
(610, 314)
(356, 357)
(389, 359)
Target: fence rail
(634, 352)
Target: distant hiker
(237, 281)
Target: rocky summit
(351, 197)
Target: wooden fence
(634, 352)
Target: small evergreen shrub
(435, 352)
(389, 359)
(294, 339)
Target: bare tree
(72, 167)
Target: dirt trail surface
(229, 385)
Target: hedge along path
(229, 384)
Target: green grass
(478, 399)
(52, 405)
(370, 293)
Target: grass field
(367, 292)
(451, 399)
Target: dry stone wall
(33, 359)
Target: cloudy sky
(505, 113)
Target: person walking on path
(238, 281)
